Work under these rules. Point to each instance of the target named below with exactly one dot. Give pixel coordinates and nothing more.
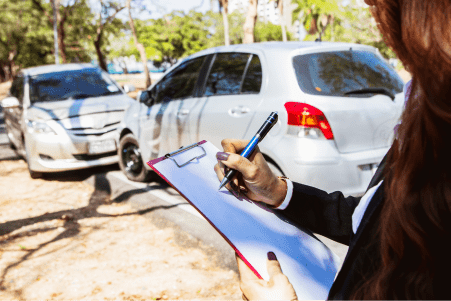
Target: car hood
(66, 109)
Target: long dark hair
(415, 222)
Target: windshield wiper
(80, 96)
(110, 93)
(377, 90)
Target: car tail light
(306, 118)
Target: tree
(317, 15)
(69, 12)
(105, 19)
(359, 26)
(24, 38)
(178, 35)
(224, 8)
(249, 23)
(269, 32)
(214, 23)
(139, 46)
(280, 5)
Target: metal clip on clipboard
(183, 149)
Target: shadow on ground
(100, 197)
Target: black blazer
(330, 215)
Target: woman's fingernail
(221, 156)
(272, 256)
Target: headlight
(39, 127)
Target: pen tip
(224, 181)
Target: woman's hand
(277, 288)
(254, 175)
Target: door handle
(183, 113)
(239, 110)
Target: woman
(399, 232)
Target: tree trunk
(282, 21)
(332, 19)
(225, 11)
(313, 26)
(100, 56)
(325, 19)
(11, 65)
(249, 23)
(139, 46)
(2, 74)
(61, 44)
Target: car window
(253, 79)
(71, 84)
(180, 82)
(17, 88)
(336, 73)
(226, 74)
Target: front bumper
(64, 152)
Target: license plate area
(103, 146)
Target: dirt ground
(62, 240)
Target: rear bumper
(319, 164)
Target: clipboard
(251, 228)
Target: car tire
(275, 169)
(130, 160)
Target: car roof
(55, 68)
(281, 47)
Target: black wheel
(130, 160)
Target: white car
(338, 104)
(65, 117)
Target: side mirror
(143, 96)
(129, 88)
(10, 102)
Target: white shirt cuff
(288, 196)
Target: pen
(246, 153)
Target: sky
(157, 8)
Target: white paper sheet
(251, 227)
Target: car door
(230, 98)
(13, 116)
(161, 130)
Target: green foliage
(351, 23)
(264, 32)
(360, 27)
(26, 34)
(20, 43)
(311, 12)
(236, 32)
(178, 35)
(77, 28)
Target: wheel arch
(270, 160)
(124, 132)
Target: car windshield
(72, 84)
(351, 73)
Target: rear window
(337, 73)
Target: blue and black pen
(249, 149)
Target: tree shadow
(100, 196)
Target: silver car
(338, 104)
(64, 117)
